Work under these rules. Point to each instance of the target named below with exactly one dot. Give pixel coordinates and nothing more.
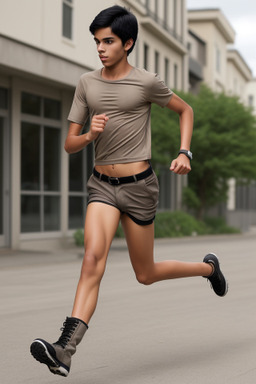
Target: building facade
(213, 27)
(251, 94)
(238, 76)
(224, 70)
(197, 61)
(43, 53)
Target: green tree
(223, 144)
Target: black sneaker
(217, 279)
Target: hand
(98, 124)
(181, 165)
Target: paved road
(176, 331)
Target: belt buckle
(113, 180)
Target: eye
(109, 41)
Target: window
(250, 100)
(156, 8)
(4, 167)
(235, 86)
(156, 62)
(146, 50)
(166, 13)
(40, 163)
(167, 72)
(175, 16)
(3, 98)
(176, 80)
(31, 104)
(245, 196)
(67, 19)
(80, 168)
(218, 60)
(1, 175)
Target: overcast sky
(242, 16)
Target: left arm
(181, 165)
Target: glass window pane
(76, 212)
(30, 214)
(167, 72)
(3, 98)
(51, 213)
(51, 159)
(1, 173)
(30, 155)
(146, 53)
(76, 182)
(67, 21)
(52, 109)
(30, 104)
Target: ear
(129, 43)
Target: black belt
(123, 180)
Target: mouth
(103, 58)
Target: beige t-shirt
(127, 102)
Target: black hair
(122, 22)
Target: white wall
(251, 92)
(39, 23)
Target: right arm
(75, 141)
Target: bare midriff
(121, 170)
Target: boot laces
(68, 329)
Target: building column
(15, 139)
(66, 101)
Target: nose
(100, 48)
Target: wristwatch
(187, 153)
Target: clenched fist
(98, 124)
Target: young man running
(123, 186)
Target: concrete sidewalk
(172, 332)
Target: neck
(116, 72)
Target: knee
(144, 278)
(92, 264)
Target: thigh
(101, 223)
(140, 242)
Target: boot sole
(40, 352)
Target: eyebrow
(105, 38)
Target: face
(110, 47)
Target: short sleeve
(159, 93)
(79, 111)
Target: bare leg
(100, 226)
(140, 241)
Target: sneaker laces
(68, 329)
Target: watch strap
(186, 153)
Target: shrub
(217, 225)
(177, 224)
(79, 237)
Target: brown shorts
(138, 199)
